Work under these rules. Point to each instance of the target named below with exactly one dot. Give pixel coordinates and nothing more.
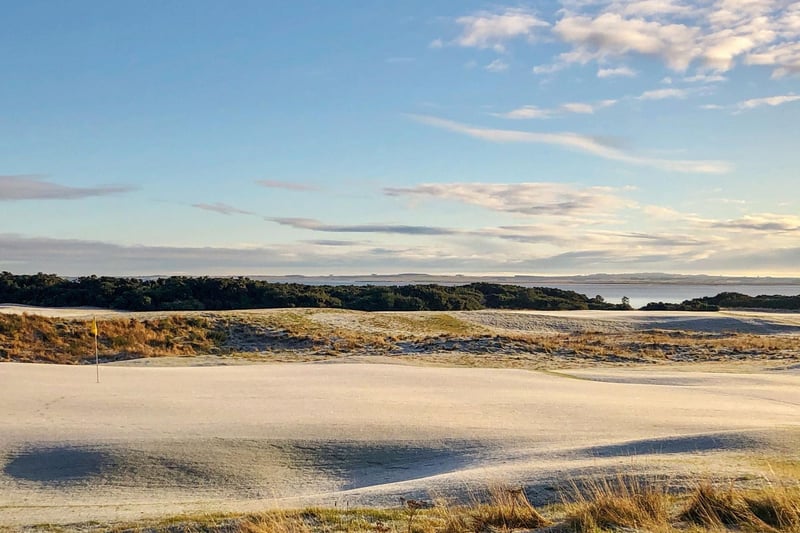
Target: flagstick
(96, 357)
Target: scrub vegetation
(438, 338)
(621, 504)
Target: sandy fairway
(154, 441)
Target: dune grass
(624, 502)
(621, 504)
(31, 338)
(443, 339)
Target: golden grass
(775, 508)
(601, 505)
(507, 508)
(624, 502)
(35, 338)
(444, 339)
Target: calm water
(644, 293)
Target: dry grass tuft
(623, 503)
(714, 507)
(777, 506)
(43, 339)
(277, 522)
(506, 509)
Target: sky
(355, 137)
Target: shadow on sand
(674, 445)
(58, 465)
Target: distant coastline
(518, 279)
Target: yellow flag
(94, 327)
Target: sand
(148, 442)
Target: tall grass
(443, 338)
(775, 508)
(623, 502)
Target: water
(641, 294)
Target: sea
(641, 294)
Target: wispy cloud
(705, 78)
(35, 188)
(784, 57)
(618, 72)
(579, 107)
(534, 112)
(331, 242)
(768, 101)
(288, 185)
(753, 103)
(223, 209)
(316, 225)
(527, 112)
(545, 198)
(663, 94)
(494, 29)
(575, 141)
(498, 65)
(767, 222)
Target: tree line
(213, 294)
(730, 300)
(208, 293)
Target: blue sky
(563, 137)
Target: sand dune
(152, 441)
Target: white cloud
(533, 112)
(785, 57)
(436, 43)
(527, 112)
(498, 65)
(575, 141)
(663, 94)
(549, 69)
(753, 103)
(610, 35)
(712, 34)
(705, 78)
(767, 101)
(618, 72)
(649, 8)
(494, 30)
(578, 107)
